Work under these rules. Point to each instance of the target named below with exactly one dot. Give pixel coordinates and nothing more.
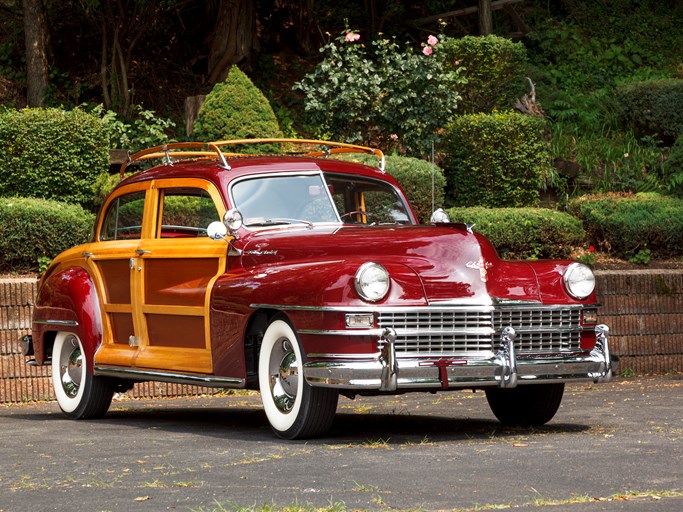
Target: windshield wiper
(282, 220)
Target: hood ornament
(482, 265)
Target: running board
(174, 378)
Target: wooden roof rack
(175, 151)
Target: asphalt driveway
(611, 447)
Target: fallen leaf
(142, 498)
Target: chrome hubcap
(284, 375)
(71, 367)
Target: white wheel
(294, 408)
(79, 394)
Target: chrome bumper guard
(387, 372)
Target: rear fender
(67, 301)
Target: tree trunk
(234, 37)
(35, 31)
(485, 18)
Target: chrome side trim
(69, 323)
(175, 378)
(341, 332)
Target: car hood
(452, 264)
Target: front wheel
(526, 406)
(80, 394)
(294, 409)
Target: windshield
(332, 198)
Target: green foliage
(494, 68)
(529, 233)
(496, 160)
(611, 161)
(145, 130)
(236, 109)
(380, 94)
(51, 154)
(625, 225)
(32, 230)
(653, 107)
(673, 168)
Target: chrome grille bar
(453, 331)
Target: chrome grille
(430, 331)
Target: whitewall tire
(79, 393)
(294, 409)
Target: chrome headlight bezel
(372, 281)
(579, 281)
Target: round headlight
(372, 281)
(579, 280)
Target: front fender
(67, 301)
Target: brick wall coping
(639, 271)
(6, 280)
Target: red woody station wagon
(305, 277)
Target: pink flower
(457, 63)
(393, 136)
(431, 40)
(350, 37)
(427, 50)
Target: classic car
(304, 275)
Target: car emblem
(483, 267)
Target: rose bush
(381, 93)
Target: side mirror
(217, 230)
(439, 216)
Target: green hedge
(653, 107)
(36, 228)
(623, 225)
(496, 160)
(524, 233)
(51, 154)
(236, 109)
(494, 68)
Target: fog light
(590, 316)
(359, 321)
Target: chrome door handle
(140, 252)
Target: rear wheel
(80, 394)
(526, 406)
(294, 409)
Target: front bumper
(505, 368)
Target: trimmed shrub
(32, 229)
(494, 68)
(496, 160)
(524, 233)
(51, 154)
(415, 177)
(236, 109)
(626, 224)
(653, 107)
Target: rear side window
(123, 220)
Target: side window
(123, 220)
(185, 212)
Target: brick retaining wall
(644, 309)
